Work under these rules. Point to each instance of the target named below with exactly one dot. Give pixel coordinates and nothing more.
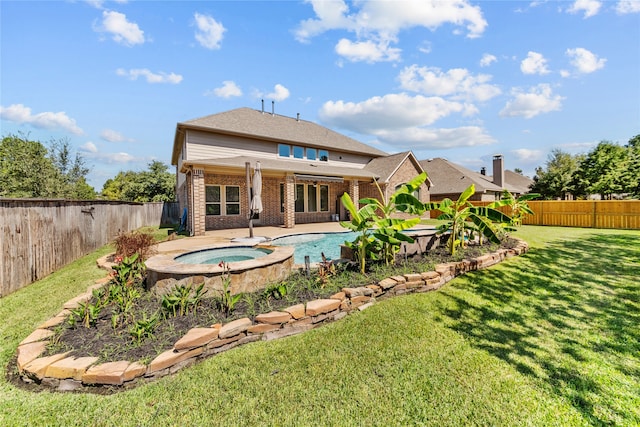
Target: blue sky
(458, 79)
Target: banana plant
(389, 230)
(519, 206)
(462, 218)
(381, 234)
(361, 222)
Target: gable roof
(521, 183)
(273, 127)
(451, 178)
(385, 167)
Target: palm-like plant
(380, 233)
(519, 206)
(463, 218)
(361, 222)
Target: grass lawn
(548, 338)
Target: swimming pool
(314, 244)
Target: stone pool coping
(63, 372)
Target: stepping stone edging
(68, 373)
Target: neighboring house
(305, 170)
(449, 180)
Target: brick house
(305, 170)
(449, 180)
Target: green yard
(548, 338)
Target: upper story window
(284, 150)
(297, 152)
(312, 154)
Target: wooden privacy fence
(37, 237)
(624, 214)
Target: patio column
(198, 203)
(289, 201)
(354, 192)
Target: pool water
(217, 255)
(314, 244)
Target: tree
(518, 171)
(72, 183)
(631, 174)
(29, 169)
(555, 182)
(156, 184)
(602, 171)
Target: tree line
(31, 169)
(609, 170)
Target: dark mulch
(111, 344)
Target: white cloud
(210, 31)
(367, 51)
(383, 113)
(534, 63)
(89, 147)
(589, 7)
(18, 113)
(228, 90)
(419, 138)
(628, 6)
(121, 30)
(585, 61)
(457, 83)
(98, 4)
(487, 59)
(280, 93)
(160, 77)
(526, 155)
(377, 24)
(111, 135)
(540, 99)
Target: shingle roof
(450, 178)
(274, 127)
(386, 166)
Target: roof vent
(298, 117)
(263, 106)
(273, 108)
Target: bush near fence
(37, 236)
(623, 214)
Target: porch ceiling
(271, 167)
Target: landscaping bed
(102, 343)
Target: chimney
(498, 170)
(263, 106)
(273, 108)
(483, 171)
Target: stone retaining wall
(66, 373)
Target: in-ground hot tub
(250, 268)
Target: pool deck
(216, 238)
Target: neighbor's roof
(272, 127)
(520, 182)
(450, 178)
(387, 166)
(283, 166)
